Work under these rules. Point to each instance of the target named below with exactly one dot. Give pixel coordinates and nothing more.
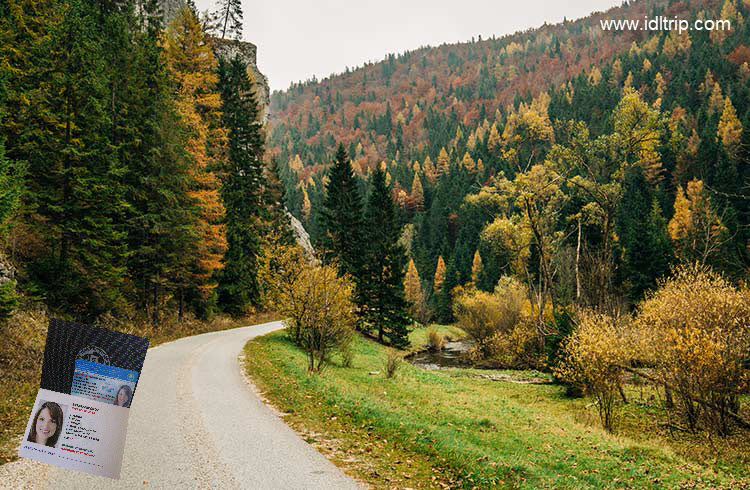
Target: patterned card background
(68, 341)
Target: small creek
(452, 355)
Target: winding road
(195, 422)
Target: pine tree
(381, 300)
(242, 189)
(342, 218)
(227, 19)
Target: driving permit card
(76, 433)
(80, 417)
(102, 383)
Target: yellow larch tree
(412, 285)
(444, 163)
(476, 267)
(417, 192)
(696, 229)
(730, 128)
(429, 170)
(193, 68)
(437, 284)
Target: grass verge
(22, 350)
(434, 429)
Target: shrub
(316, 301)
(594, 357)
(481, 315)
(695, 330)
(435, 341)
(503, 334)
(392, 363)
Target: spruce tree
(383, 306)
(242, 187)
(10, 191)
(341, 218)
(74, 175)
(642, 232)
(161, 218)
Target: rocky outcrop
(301, 236)
(228, 49)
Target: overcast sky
(301, 38)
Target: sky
(298, 39)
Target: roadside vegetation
(459, 428)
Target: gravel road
(196, 423)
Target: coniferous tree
(10, 191)
(242, 187)
(162, 219)
(642, 233)
(74, 175)
(227, 19)
(342, 216)
(382, 303)
(193, 68)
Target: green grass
(437, 428)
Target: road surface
(196, 423)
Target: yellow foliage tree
(695, 331)
(730, 128)
(417, 192)
(429, 170)
(193, 67)
(493, 142)
(412, 285)
(476, 267)
(696, 229)
(444, 163)
(437, 284)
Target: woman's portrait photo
(123, 397)
(47, 424)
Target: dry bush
(500, 325)
(392, 363)
(695, 330)
(435, 341)
(315, 300)
(594, 357)
(516, 349)
(481, 315)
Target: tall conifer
(342, 216)
(242, 190)
(382, 302)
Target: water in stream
(452, 355)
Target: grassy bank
(22, 349)
(453, 428)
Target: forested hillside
(132, 179)
(588, 162)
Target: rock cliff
(229, 49)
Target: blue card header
(104, 370)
